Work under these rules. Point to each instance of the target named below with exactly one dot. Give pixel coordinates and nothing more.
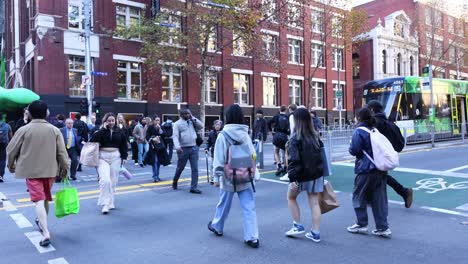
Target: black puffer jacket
(305, 161)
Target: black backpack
(168, 131)
(311, 157)
(392, 133)
(283, 124)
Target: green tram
(407, 103)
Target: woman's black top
(114, 139)
(212, 136)
(305, 161)
(153, 132)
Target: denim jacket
(359, 143)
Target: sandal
(45, 242)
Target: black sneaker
(211, 228)
(174, 185)
(279, 171)
(253, 243)
(1, 178)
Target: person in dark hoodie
(370, 184)
(210, 146)
(234, 130)
(393, 134)
(260, 127)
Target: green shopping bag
(66, 200)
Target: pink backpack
(240, 166)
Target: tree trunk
(202, 93)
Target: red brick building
(406, 35)
(51, 62)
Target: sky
(452, 5)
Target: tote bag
(327, 199)
(67, 201)
(90, 154)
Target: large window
(238, 45)
(128, 80)
(295, 91)
(295, 47)
(270, 43)
(76, 14)
(76, 69)
(451, 24)
(384, 61)
(211, 85)
(439, 49)
(317, 21)
(172, 83)
(398, 64)
(127, 16)
(269, 91)
(317, 94)
(174, 24)
(338, 58)
(294, 15)
(411, 65)
(356, 66)
(241, 88)
(212, 44)
(338, 96)
(269, 9)
(452, 57)
(461, 28)
(317, 55)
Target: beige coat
(37, 150)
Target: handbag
(199, 140)
(327, 198)
(327, 169)
(90, 154)
(67, 201)
(124, 172)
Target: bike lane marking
(458, 168)
(58, 261)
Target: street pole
(87, 33)
(340, 98)
(431, 110)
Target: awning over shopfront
(16, 98)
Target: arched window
(384, 61)
(411, 69)
(399, 64)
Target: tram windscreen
(385, 92)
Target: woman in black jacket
(305, 170)
(155, 136)
(112, 154)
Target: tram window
(406, 107)
(442, 105)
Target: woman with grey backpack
(235, 171)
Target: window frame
(294, 86)
(294, 47)
(81, 17)
(128, 16)
(315, 94)
(269, 81)
(128, 78)
(335, 56)
(76, 91)
(317, 54)
(270, 44)
(239, 92)
(211, 75)
(336, 101)
(238, 46)
(170, 89)
(316, 21)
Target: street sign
(426, 84)
(86, 80)
(339, 94)
(99, 73)
(425, 71)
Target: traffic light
(425, 71)
(97, 108)
(84, 107)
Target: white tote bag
(90, 154)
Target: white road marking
(58, 261)
(36, 237)
(445, 211)
(2, 196)
(21, 221)
(396, 202)
(463, 207)
(458, 168)
(417, 171)
(9, 207)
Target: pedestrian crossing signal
(84, 107)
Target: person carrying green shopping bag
(37, 153)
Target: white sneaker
(105, 209)
(295, 230)
(284, 178)
(383, 233)
(357, 229)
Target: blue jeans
(142, 150)
(188, 154)
(156, 167)
(2, 158)
(247, 201)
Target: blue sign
(168, 25)
(99, 73)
